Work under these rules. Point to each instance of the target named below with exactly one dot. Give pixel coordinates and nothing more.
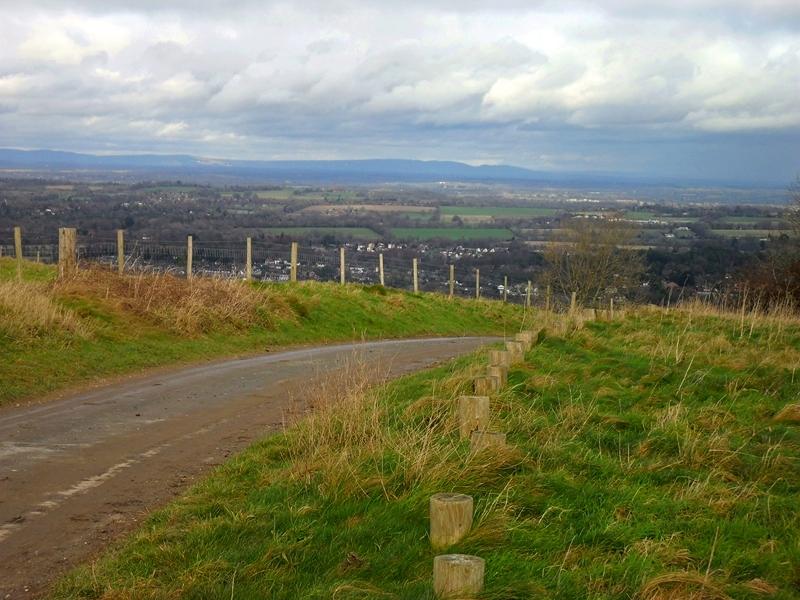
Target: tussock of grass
(28, 312)
(630, 474)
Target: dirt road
(77, 472)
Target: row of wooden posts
(67, 260)
(451, 514)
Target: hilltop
(653, 455)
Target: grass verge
(54, 334)
(654, 457)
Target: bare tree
(594, 259)
(794, 205)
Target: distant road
(77, 472)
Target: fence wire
(271, 261)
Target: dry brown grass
(190, 307)
(28, 310)
(682, 585)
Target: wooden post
(499, 358)
(501, 373)
(18, 250)
(516, 350)
(505, 288)
(293, 272)
(248, 260)
(528, 294)
(486, 439)
(341, 265)
(67, 255)
(473, 413)
(525, 338)
(452, 280)
(451, 518)
(189, 254)
(415, 275)
(37, 256)
(477, 284)
(120, 251)
(457, 576)
(548, 295)
(611, 308)
(380, 268)
(485, 386)
(573, 303)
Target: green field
(452, 233)
(651, 458)
(499, 211)
(363, 233)
(100, 324)
(753, 221)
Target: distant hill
(299, 171)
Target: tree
(593, 258)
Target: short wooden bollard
(473, 413)
(18, 250)
(458, 576)
(500, 372)
(189, 256)
(486, 386)
(479, 440)
(525, 338)
(120, 251)
(451, 518)
(499, 358)
(516, 350)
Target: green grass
(499, 211)
(645, 461)
(41, 356)
(452, 233)
(345, 232)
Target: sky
(684, 89)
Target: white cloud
(381, 77)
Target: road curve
(79, 471)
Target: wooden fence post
(415, 274)
(18, 250)
(611, 307)
(452, 280)
(189, 255)
(451, 518)
(473, 413)
(548, 295)
(248, 260)
(341, 265)
(477, 284)
(458, 575)
(120, 250)
(293, 272)
(573, 303)
(528, 294)
(505, 288)
(380, 268)
(67, 255)
(37, 256)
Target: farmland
(452, 233)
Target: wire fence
(271, 261)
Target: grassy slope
(123, 341)
(646, 462)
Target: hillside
(97, 324)
(653, 456)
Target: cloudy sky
(679, 88)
